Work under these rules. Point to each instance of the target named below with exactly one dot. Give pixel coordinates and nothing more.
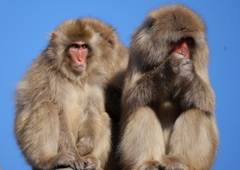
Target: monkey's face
(73, 43)
(166, 31)
(78, 53)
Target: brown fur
(60, 114)
(168, 103)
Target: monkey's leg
(40, 138)
(193, 141)
(103, 142)
(94, 143)
(142, 145)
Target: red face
(78, 52)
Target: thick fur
(60, 113)
(168, 103)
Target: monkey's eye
(189, 40)
(84, 46)
(74, 46)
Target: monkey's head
(72, 44)
(79, 45)
(171, 29)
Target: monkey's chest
(73, 107)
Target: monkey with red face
(61, 120)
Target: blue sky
(25, 27)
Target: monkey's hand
(92, 163)
(182, 66)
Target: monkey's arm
(195, 92)
(153, 84)
(200, 95)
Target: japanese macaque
(168, 119)
(60, 105)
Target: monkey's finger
(77, 166)
(81, 165)
(90, 167)
(72, 165)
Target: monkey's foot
(172, 163)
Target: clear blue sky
(25, 26)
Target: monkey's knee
(85, 146)
(201, 136)
(92, 163)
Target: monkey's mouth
(182, 47)
(79, 67)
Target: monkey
(168, 120)
(60, 119)
(113, 92)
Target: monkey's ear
(111, 41)
(151, 22)
(53, 37)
